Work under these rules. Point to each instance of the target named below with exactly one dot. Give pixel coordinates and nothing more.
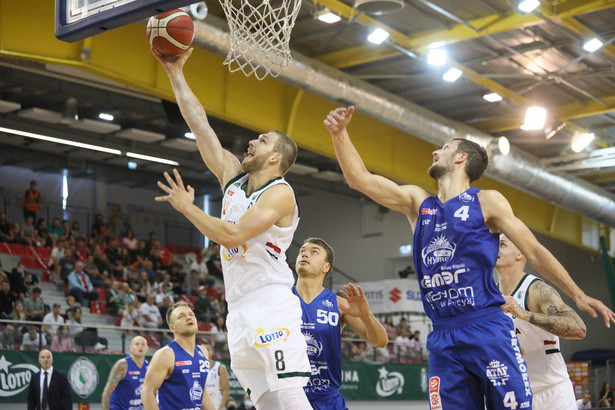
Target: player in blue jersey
(178, 371)
(324, 316)
(474, 355)
(123, 388)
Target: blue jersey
(454, 257)
(322, 331)
(184, 388)
(127, 394)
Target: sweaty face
(258, 153)
(443, 160)
(184, 321)
(311, 260)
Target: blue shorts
(476, 360)
(332, 401)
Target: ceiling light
(377, 36)
(436, 56)
(504, 145)
(326, 16)
(452, 75)
(527, 6)
(152, 159)
(592, 45)
(61, 141)
(535, 118)
(132, 165)
(105, 116)
(190, 136)
(581, 141)
(492, 97)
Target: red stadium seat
(153, 341)
(18, 249)
(205, 326)
(102, 293)
(97, 307)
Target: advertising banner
(392, 295)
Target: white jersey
(545, 364)
(213, 384)
(260, 261)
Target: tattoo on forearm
(115, 376)
(559, 319)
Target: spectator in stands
(67, 265)
(151, 243)
(7, 300)
(70, 302)
(402, 325)
(115, 301)
(141, 255)
(29, 281)
(19, 315)
(200, 266)
(219, 332)
(212, 291)
(7, 337)
(133, 280)
(177, 274)
(415, 350)
(68, 233)
(203, 309)
(127, 293)
(77, 234)
(31, 202)
(389, 327)
(33, 340)
(401, 344)
(84, 336)
(41, 232)
(28, 233)
(164, 290)
(145, 286)
(104, 267)
(17, 280)
(130, 318)
(167, 302)
(55, 231)
(148, 268)
(360, 353)
(52, 321)
(166, 278)
(100, 230)
(33, 306)
(61, 341)
(606, 396)
(6, 230)
(192, 283)
(80, 286)
(57, 253)
(130, 243)
(3, 275)
(214, 266)
(584, 402)
(98, 279)
(150, 315)
(156, 259)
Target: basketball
(170, 33)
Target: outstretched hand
(338, 119)
(357, 303)
(511, 306)
(595, 307)
(178, 196)
(171, 63)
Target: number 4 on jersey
(510, 401)
(463, 213)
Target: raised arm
(356, 314)
(274, 207)
(548, 311)
(498, 214)
(158, 370)
(117, 374)
(405, 199)
(222, 163)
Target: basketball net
(260, 35)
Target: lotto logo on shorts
(269, 337)
(434, 394)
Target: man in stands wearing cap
(52, 321)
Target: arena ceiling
(528, 59)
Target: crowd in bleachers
(134, 279)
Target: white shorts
(268, 350)
(560, 397)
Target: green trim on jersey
(235, 178)
(293, 374)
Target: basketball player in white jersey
(539, 316)
(217, 381)
(259, 217)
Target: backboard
(78, 19)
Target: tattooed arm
(548, 311)
(118, 371)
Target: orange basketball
(170, 33)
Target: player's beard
(437, 171)
(256, 164)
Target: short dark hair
(287, 147)
(172, 308)
(36, 289)
(477, 161)
(328, 249)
